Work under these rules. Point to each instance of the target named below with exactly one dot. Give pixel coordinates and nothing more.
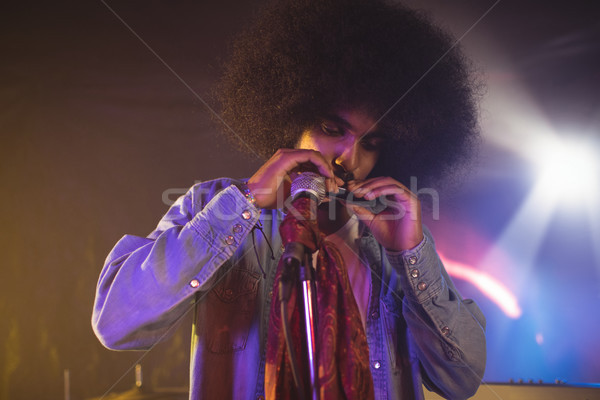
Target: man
(328, 87)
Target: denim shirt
(207, 254)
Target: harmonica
(376, 205)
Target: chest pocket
(227, 314)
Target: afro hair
(303, 59)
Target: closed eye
(372, 142)
(331, 129)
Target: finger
(400, 193)
(295, 158)
(360, 188)
(380, 186)
(331, 185)
(362, 213)
(374, 182)
(356, 187)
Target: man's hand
(273, 179)
(399, 226)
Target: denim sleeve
(447, 332)
(147, 284)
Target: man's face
(348, 139)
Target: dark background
(103, 121)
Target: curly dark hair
(303, 59)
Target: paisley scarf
(342, 350)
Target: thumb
(362, 213)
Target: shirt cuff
(223, 224)
(419, 269)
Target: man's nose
(347, 154)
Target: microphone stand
(309, 293)
(297, 258)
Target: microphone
(307, 185)
(310, 185)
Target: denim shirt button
(414, 273)
(445, 331)
(246, 214)
(376, 365)
(237, 228)
(422, 286)
(194, 283)
(412, 260)
(229, 239)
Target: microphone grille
(309, 182)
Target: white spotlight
(568, 171)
